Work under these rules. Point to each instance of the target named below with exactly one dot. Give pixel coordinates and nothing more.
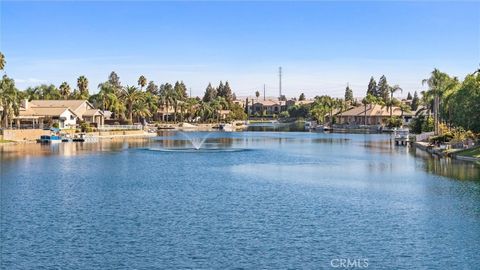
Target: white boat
(226, 127)
(309, 125)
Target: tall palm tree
(131, 94)
(82, 84)
(151, 102)
(142, 81)
(368, 100)
(2, 61)
(167, 97)
(65, 90)
(392, 90)
(9, 101)
(438, 83)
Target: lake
(245, 200)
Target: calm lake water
(248, 200)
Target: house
(265, 107)
(372, 114)
(223, 114)
(291, 102)
(67, 113)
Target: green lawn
(5, 141)
(474, 152)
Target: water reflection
(378, 151)
(448, 167)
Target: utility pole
(263, 92)
(280, 81)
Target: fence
(119, 127)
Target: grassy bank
(473, 152)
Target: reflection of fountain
(196, 141)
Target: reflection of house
(37, 113)
(372, 114)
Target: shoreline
(424, 146)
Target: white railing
(423, 136)
(119, 127)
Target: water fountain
(195, 141)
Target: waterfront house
(265, 107)
(372, 114)
(67, 113)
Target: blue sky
(321, 46)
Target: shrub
(394, 122)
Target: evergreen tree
(383, 88)
(372, 87)
(409, 96)
(227, 93)
(114, 80)
(221, 90)
(301, 97)
(210, 93)
(348, 94)
(180, 90)
(415, 101)
(152, 88)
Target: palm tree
(130, 95)
(65, 90)
(392, 90)
(166, 98)
(109, 100)
(2, 61)
(142, 81)
(9, 101)
(369, 99)
(219, 103)
(438, 84)
(205, 111)
(82, 84)
(151, 102)
(140, 110)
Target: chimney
(24, 103)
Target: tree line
(130, 103)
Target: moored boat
(49, 139)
